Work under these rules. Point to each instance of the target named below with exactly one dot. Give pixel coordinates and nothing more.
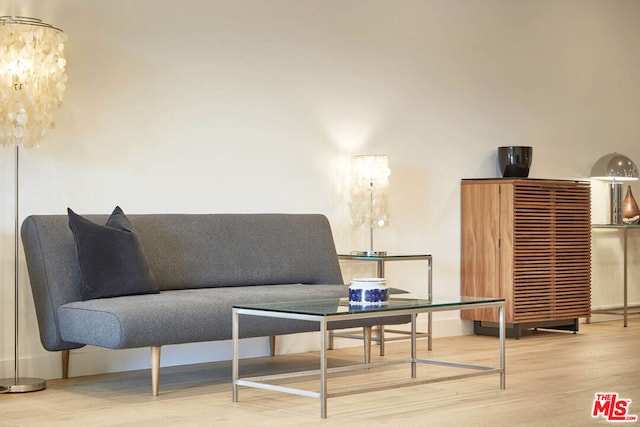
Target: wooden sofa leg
(366, 337)
(65, 364)
(272, 345)
(381, 339)
(155, 369)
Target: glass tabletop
(337, 306)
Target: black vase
(514, 161)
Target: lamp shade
(614, 167)
(32, 78)
(369, 188)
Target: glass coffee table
(325, 311)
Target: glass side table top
(339, 306)
(615, 225)
(386, 256)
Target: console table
(625, 310)
(325, 311)
(380, 261)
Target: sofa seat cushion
(190, 315)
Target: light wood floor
(551, 381)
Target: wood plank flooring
(551, 381)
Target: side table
(380, 261)
(625, 310)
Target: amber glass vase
(630, 210)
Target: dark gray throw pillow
(112, 260)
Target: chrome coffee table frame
(398, 306)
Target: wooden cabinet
(528, 241)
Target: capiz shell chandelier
(32, 78)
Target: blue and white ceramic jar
(368, 291)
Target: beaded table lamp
(369, 204)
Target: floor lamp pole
(17, 384)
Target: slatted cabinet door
(534, 243)
(573, 252)
(533, 258)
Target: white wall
(257, 106)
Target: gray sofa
(203, 265)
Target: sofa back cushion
(198, 251)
